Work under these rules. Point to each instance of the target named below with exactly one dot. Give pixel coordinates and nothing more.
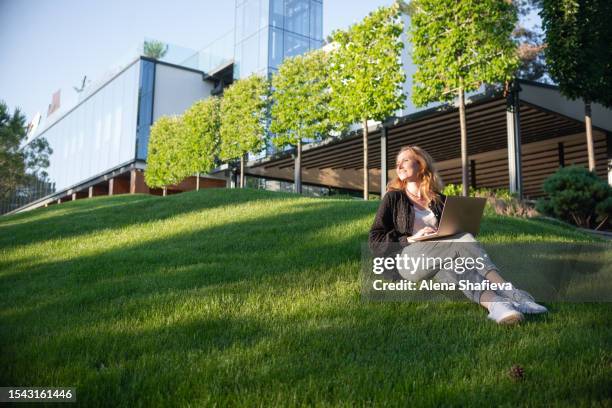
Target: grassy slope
(253, 298)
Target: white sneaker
(503, 312)
(524, 302)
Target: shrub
(499, 201)
(577, 196)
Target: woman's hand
(424, 231)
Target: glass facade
(268, 31)
(97, 135)
(218, 53)
(145, 108)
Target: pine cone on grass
(517, 373)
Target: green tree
(366, 74)
(164, 153)
(301, 108)
(579, 53)
(18, 162)
(155, 49)
(458, 46)
(243, 115)
(200, 138)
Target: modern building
(268, 31)
(100, 145)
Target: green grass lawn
(253, 298)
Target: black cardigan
(394, 220)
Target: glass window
(275, 48)
(80, 131)
(97, 106)
(239, 21)
(106, 126)
(237, 60)
(295, 45)
(128, 117)
(89, 134)
(263, 50)
(296, 17)
(316, 20)
(251, 17)
(117, 122)
(145, 107)
(276, 13)
(250, 56)
(264, 13)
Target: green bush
(457, 190)
(577, 196)
(499, 201)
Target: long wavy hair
(430, 182)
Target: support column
(383, 161)
(74, 196)
(137, 183)
(473, 173)
(111, 184)
(513, 127)
(609, 161)
(90, 193)
(233, 178)
(297, 176)
(132, 181)
(589, 135)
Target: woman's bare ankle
(493, 276)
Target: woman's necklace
(418, 197)
(419, 200)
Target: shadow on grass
(214, 316)
(204, 258)
(75, 218)
(92, 290)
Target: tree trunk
(464, 154)
(366, 174)
(298, 168)
(165, 191)
(589, 135)
(242, 171)
(198, 182)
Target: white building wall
(177, 89)
(98, 134)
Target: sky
(46, 45)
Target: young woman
(411, 208)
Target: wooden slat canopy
(439, 134)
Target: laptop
(460, 214)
